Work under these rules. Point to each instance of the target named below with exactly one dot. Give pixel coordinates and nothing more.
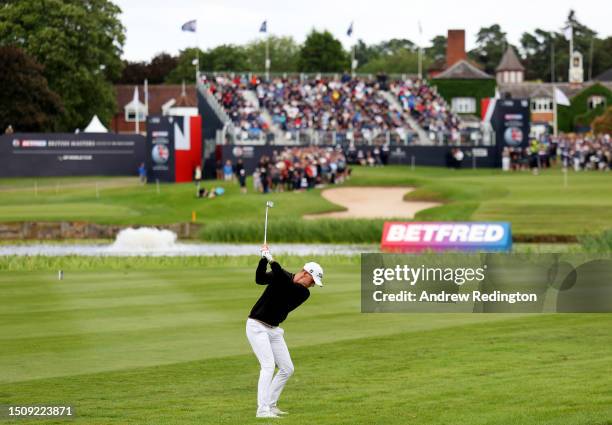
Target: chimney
(455, 47)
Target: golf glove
(265, 253)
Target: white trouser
(270, 348)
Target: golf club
(269, 204)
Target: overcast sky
(154, 26)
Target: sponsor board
(443, 236)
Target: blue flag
(264, 26)
(190, 26)
(349, 32)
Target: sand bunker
(372, 202)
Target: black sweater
(281, 295)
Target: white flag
(561, 98)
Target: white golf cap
(316, 271)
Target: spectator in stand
(248, 120)
(353, 108)
(427, 108)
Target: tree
(399, 62)
(27, 103)
(160, 66)
(395, 45)
(437, 50)
(185, 68)
(538, 48)
(284, 54)
(133, 73)
(322, 52)
(79, 44)
(602, 55)
(491, 43)
(364, 53)
(226, 57)
(155, 71)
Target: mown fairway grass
(535, 205)
(166, 345)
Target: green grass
(166, 345)
(535, 205)
(597, 243)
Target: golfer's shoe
(277, 411)
(266, 414)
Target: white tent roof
(95, 126)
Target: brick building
(163, 99)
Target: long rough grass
(597, 243)
(295, 230)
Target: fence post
(412, 162)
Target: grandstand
(322, 109)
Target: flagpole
(571, 47)
(267, 55)
(591, 60)
(420, 63)
(420, 52)
(552, 58)
(571, 40)
(554, 95)
(197, 57)
(137, 107)
(353, 61)
(353, 47)
(146, 96)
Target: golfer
(284, 292)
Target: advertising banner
(160, 149)
(511, 120)
(445, 236)
(68, 154)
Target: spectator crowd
(579, 152)
(354, 108)
(247, 118)
(428, 108)
(291, 169)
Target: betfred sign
(444, 236)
